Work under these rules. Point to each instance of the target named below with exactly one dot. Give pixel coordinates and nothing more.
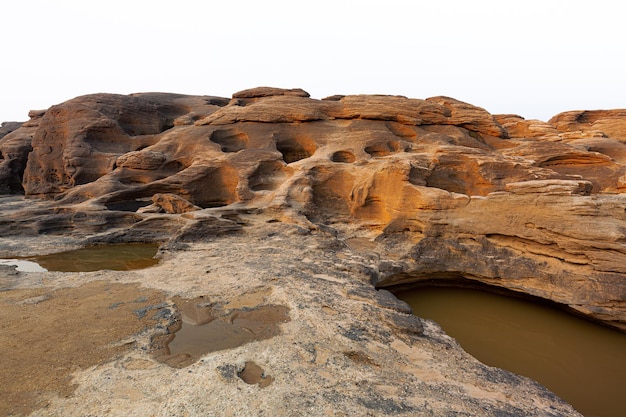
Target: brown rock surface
(430, 189)
(609, 123)
(518, 127)
(388, 167)
(79, 141)
(173, 204)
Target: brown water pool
(582, 362)
(121, 257)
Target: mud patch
(45, 336)
(360, 358)
(206, 328)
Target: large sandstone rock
(443, 187)
(79, 141)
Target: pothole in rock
(380, 149)
(205, 328)
(213, 186)
(253, 374)
(117, 257)
(268, 176)
(343, 157)
(231, 140)
(131, 205)
(295, 149)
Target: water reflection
(582, 362)
(122, 257)
(23, 265)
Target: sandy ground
(46, 336)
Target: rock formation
(442, 187)
(421, 189)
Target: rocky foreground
(296, 213)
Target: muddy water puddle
(119, 257)
(583, 363)
(204, 328)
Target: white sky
(534, 58)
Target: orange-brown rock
(519, 127)
(609, 123)
(173, 204)
(79, 141)
(441, 188)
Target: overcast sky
(534, 58)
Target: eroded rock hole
(172, 167)
(343, 157)
(231, 140)
(116, 257)
(401, 131)
(332, 192)
(166, 125)
(216, 187)
(295, 149)
(529, 336)
(268, 176)
(583, 118)
(381, 149)
(418, 175)
(253, 374)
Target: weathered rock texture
(443, 188)
(422, 189)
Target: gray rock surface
(347, 348)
